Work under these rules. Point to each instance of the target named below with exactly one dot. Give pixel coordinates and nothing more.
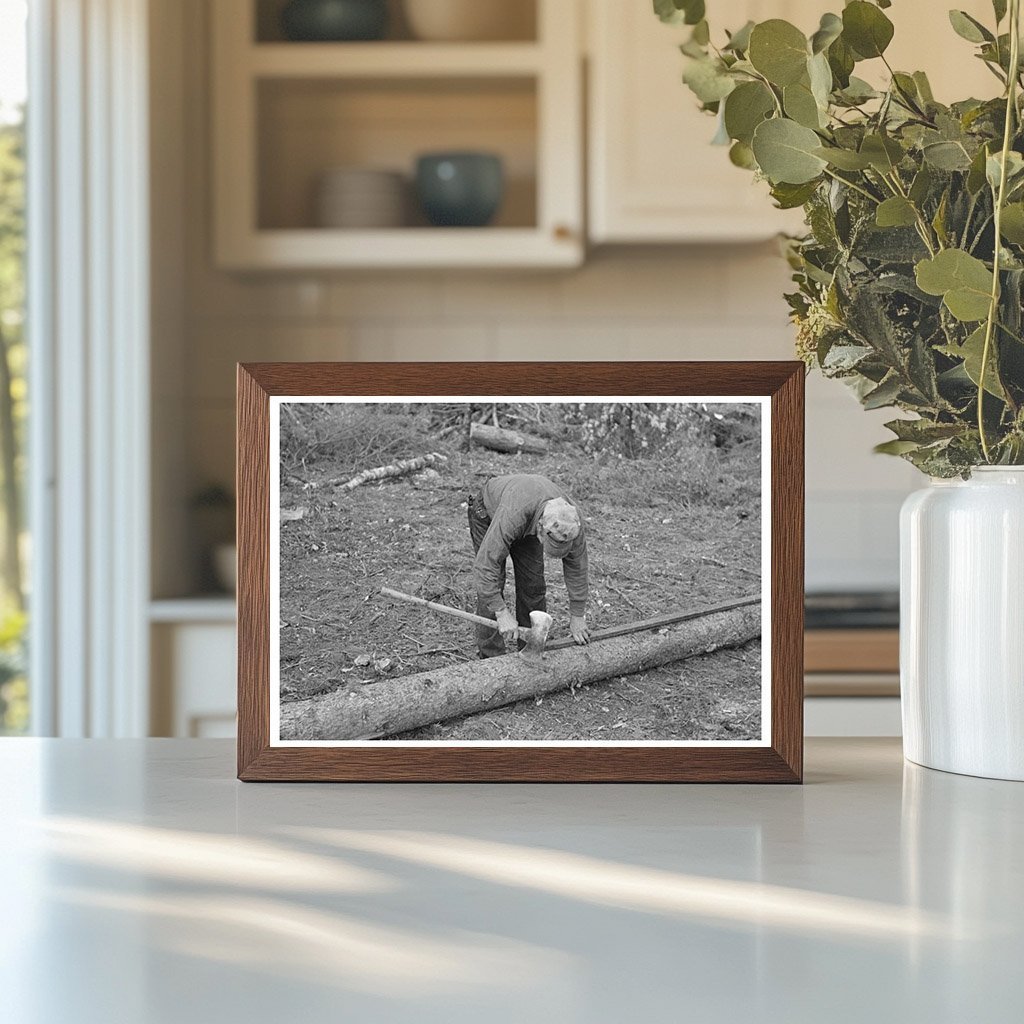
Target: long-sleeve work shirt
(514, 504)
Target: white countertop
(143, 885)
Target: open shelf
(286, 114)
(520, 16)
(306, 128)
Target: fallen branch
(392, 706)
(385, 472)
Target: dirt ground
(662, 536)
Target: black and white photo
(555, 571)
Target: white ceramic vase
(962, 624)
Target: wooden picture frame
(778, 757)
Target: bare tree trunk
(12, 573)
(410, 702)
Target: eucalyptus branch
(923, 227)
(853, 185)
(981, 231)
(1000, 200)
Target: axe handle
(444, 609)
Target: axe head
(536, 637)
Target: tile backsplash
(720, 302)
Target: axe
(535, 637)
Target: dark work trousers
(528, 565)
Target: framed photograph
(520, 572)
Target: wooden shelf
(401, 247)
(393, 60)
(286, 112)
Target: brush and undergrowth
(672, 506)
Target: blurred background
(246, 180)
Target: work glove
(507, 626)
(578, 628)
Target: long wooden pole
(670, 619)
(393, 706)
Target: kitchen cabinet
(653, 175)
(193, 668)
(287, 113)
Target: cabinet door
(654, 175)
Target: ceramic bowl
(471, 20)
(460, 189)
(358, 197)
(334, 20)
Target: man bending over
(528, 517)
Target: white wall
(665, 303)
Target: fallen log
(410, 702)
(385, 472)
(508, 441)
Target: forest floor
(661, 537)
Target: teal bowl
(460, 190)
(334, 21)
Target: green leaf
(971, 352)
(999, 6)
(841, 60)
(739, 41)
(923, 431)
(1012, 226)
(789, 197)
(800, 105)
(906, 88)
(778, 50)
(746, 107)
(969, 28)
(820, 75)
(963, 281)
(830, 29)
(896, 212)
(921, 185)
(947, 156)
(708, 80)
(741, 155)
(895, 447)
(676, 12)
(785, 152)
(844, 159)
(866, 29)
(883, 153)
(976, 174)
(885, 394)
(1014, 169)
(924, 87)
(939, 220)
(858, 91)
